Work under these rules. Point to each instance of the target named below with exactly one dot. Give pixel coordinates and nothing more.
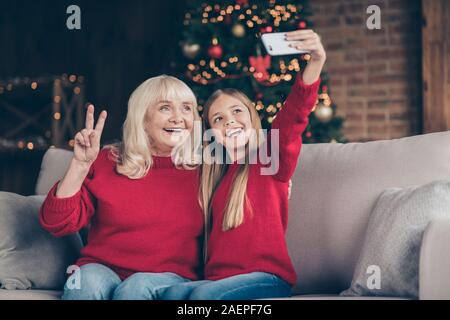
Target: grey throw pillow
(389, 260)
(30, 257)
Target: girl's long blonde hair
(133, 155)
(212, 172)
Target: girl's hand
(310, 41)
(307, 40)
(87, 141)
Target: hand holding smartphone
(277, 45)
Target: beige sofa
(334, 190)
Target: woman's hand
(310, 41)
(87, 141)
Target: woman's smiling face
(231, 121)
(167, 124)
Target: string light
(212, 70)
(38, 142)
(35, 83)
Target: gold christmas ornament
(323, 112)
(238, 30)
(190, 50)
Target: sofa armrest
(434, 268)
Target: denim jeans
(255, 285)
(98, 282)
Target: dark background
(120, 44)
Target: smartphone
(276, 45)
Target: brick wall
(375, 75)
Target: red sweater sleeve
(63, 216)
(290, 122)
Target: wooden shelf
(436, 65)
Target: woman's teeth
(174, 130)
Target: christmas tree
(221, 48)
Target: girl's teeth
(235, 132)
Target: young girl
(247, 256)
(146, 224)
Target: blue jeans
(255, 285)
(95, 281)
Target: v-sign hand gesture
(87, 141)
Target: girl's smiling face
(167, 124)
(231, 121)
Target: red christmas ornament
(242, 2)
(215, 51)
(267, 29)
(309, 134)
(261, 64)
(302, 25)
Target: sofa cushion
(29, 256)
(334, 190)
(53, 167)
(393, 240)
(30, 294)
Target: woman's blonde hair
(133, 155)
(213, 171)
